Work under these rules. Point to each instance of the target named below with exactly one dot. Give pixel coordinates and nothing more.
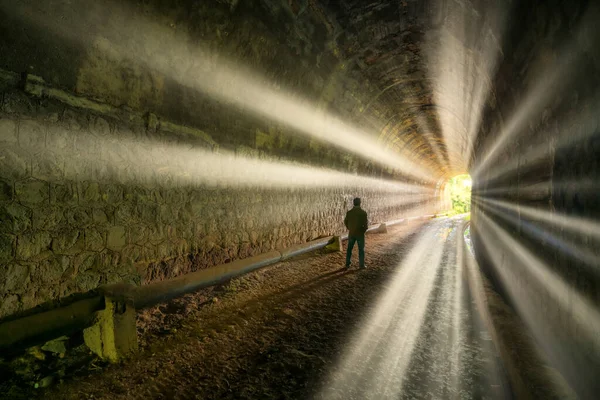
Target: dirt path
(276, 333)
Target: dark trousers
(360, 240)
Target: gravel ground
(287, 330)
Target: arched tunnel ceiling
(422, 76)
(403, 47)
(440, 69)
(409, 62)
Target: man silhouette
(357, 224)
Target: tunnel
(146, 142)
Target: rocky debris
(43, 366)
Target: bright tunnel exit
(458, 189)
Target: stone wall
(145, 57)
(136, 186)
(87, 199)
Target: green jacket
(356, 221)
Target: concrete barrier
(113, 335)
(305, 248)
(158, 292)
(45, 325)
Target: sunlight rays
(172, 54)
(543, 299)
(378, 355)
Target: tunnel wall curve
(535, 195)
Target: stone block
(56, 346)
(336, 245)
(137, 234)
(125, 213)
(79, 217)
(47, 218)
(99, 216)
(8, 131)
(156, 234)
(137, 194)
(90, 192)
(58, 139)
(133, 253)
(32, 191)
(183, 216)
(95, 240)
(14, 277)
(63, 193)
(76, 167)
(66, 239)
(116, 238)
(9, 305)
(50, 271)
(32, 135)
(157, 196)
(148, 211)
(174, 196)
(51, 114)
(17, 102)
(152, 122)
(244, 237)
(87, 144)
(172, 232)
(7, 248)
(15, 218)
(15, 163)
(47, 166)
(86, 261)
(99, 171)
(208, 243)
(382, 228)
(163, 250)
(88, 280)
(113, 335)
(183, 247)
(149, 253)
(32, 244)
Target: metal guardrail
(65, 320)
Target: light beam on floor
(376, 359)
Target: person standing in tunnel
(357, 224)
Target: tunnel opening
(133, 151)
(459, 190)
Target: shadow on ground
(273, 333)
